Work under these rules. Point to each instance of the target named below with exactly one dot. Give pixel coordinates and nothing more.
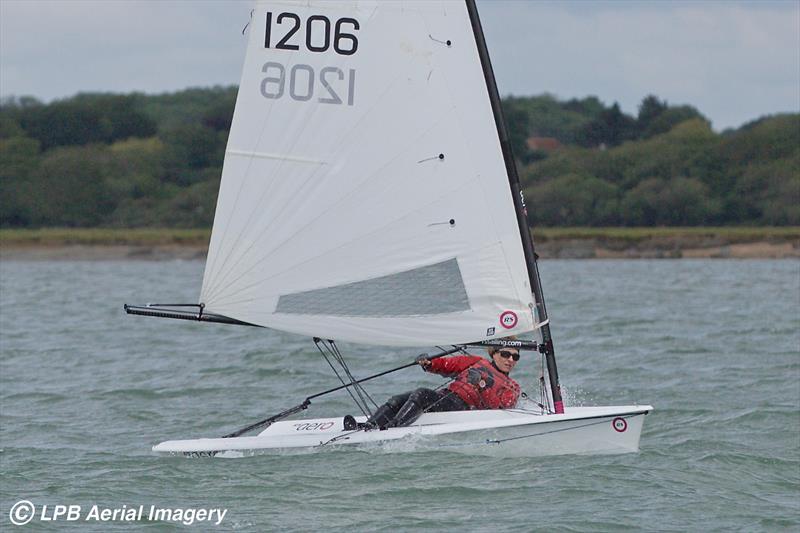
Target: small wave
(35, 396)
(156, 394)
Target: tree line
(155, 161)
(663, 167)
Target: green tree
(69, 188)
(19, 157)
(193, 206)
(9, 127)
(590, 107)
(190, 106)
(85, 119)
(219, 115)
(670, 118)
(768, 193)
(189, 149)
(573, 200)
(141, 167)
(650, 109)
(611, 128)
(688, 150)
(769, 138)
(677, 202)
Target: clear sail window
(429, 290)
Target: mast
(516, 193)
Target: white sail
(364, 195)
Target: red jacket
(477, 381)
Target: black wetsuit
(404, 409)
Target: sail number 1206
(302, 82)
(316, 26)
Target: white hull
(517, 433)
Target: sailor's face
(505, 359)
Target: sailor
(477, 383)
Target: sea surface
(713, 345)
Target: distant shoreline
(551, 243)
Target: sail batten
(364, 195)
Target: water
(713, 345)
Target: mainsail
(364, 193)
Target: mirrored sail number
(302, 78)
(319, 33)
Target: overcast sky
(734, 61)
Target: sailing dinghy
(369, 195)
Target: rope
(364, 408)
(357, 392)
(544, 397)
(360, 390)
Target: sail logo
(313, 426)
(508, 319)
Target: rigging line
(357, 387)
(498, 441)
(355, 190)
(545, 398)
(248, 22)
(337, 373)
(363, 391)
(355, 382)
(307, 401)
(448, 42)
(353, 386)
(342, 139)
(325, 356)
(525, 396)
(366, 236)
(523, 411)
(360, 390)
(541, 380)
(331, 346)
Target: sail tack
(364, 195)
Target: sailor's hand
(423, 361)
